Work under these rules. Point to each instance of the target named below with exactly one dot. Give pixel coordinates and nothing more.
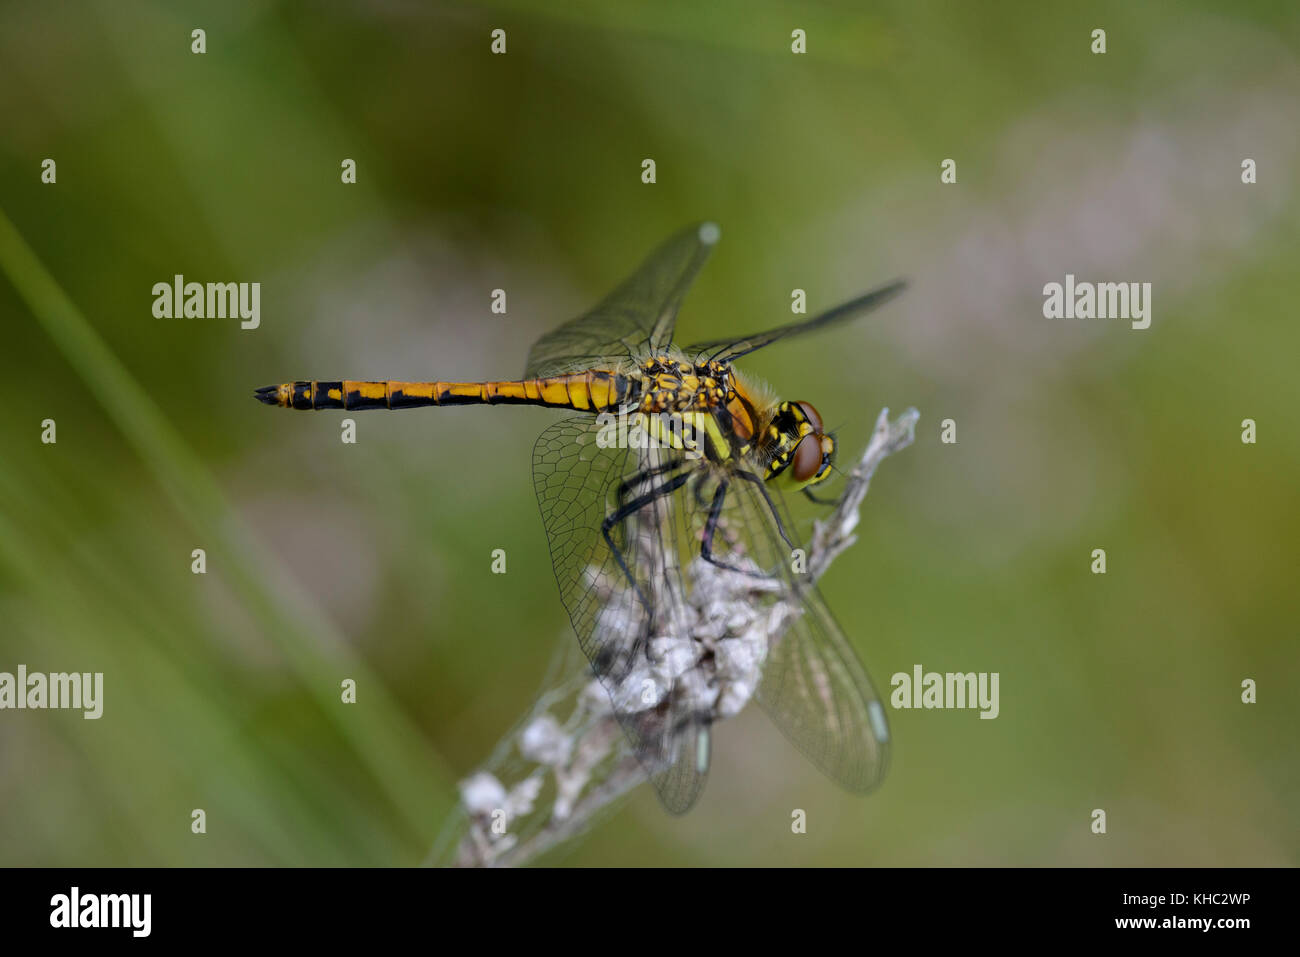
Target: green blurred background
(522, 171)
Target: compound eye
(807, 459)
(813, 418)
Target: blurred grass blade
(382, 736)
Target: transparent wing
(636, 318)
(678, 642)
(622, 629)
(813, 684)
(728, 350)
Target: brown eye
(813, 418)
(807, 458)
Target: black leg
(762, 487)
(630, 508)
(711, 527)
(808, 494)
(699, 491)
(632, 481)
(711, 524)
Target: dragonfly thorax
(672, 385)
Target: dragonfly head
(801, 453)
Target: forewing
(618, 627)
(813, 685)
(728, 350)
(636, 318)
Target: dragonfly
(669, 480)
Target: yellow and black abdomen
(591, 391)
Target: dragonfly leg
(702, 500)
(623, 512)
(808, 494)
(711, 528)
(762, 487)
(632, 481)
